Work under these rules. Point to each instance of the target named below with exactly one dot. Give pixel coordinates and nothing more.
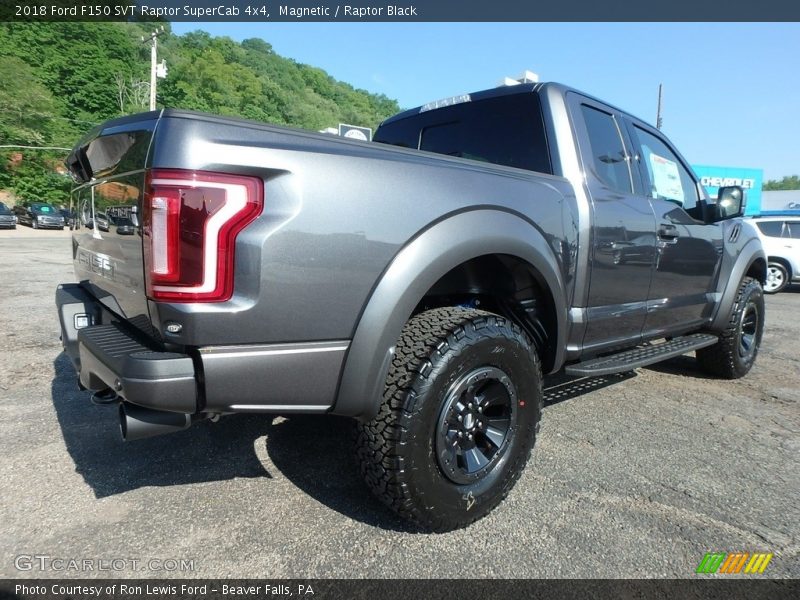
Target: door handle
(668, 233)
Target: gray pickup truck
(421, 283)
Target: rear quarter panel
(336, 212)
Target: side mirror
(730, 202)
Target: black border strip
(730, 588)
(400, 11)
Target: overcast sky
(731, 91)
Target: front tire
(735, 352)
(459, 418)
(777, 278)
(34, 223)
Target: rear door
(110, 263)
(688, 250)
(623, 229)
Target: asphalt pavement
(633, 476)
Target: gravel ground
(633, 476)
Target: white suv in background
(780, 236)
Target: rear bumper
(109, 356)
(277, 378)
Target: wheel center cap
(469, 421)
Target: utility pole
(153, 39)
(658, 112)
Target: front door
(688, 250)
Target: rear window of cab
(504, 130)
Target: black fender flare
(412, 272)
(748, 255)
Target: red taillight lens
(190, 223)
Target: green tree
(789, 182)
(57, 80)
(27, 108)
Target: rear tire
(458, 420)
(777, 278)
(735, 352)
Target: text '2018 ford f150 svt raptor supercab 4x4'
(421, 283)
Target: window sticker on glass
(666, 179)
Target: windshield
(45, 209)
(4, 210)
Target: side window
(504, 130)
(608, 151)
(665, 176)
(792, 230)
(770, 228)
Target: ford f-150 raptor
(421, 283)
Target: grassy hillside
(59, 79)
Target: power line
(34, 147)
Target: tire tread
(426, 336)
(720, 359)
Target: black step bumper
(110, 356)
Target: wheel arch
(751, 262)
(506, 285)
(784, 263)
(416, 269)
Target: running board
(641, 356)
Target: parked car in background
(780, 236)
(124, 225)
(39, 215)
(7, 218)
(68, 217)
(102, 221)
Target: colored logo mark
(734, 562)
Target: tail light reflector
(190, 223)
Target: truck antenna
(659, 120)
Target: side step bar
(641, 356)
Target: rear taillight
(190, 223)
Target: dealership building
(757, 201)
(752, 180)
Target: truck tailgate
(107, 236)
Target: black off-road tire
(439, 350)
(732, 357)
